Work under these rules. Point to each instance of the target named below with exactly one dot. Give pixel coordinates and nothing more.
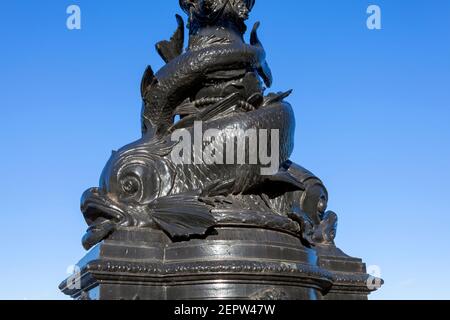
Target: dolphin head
(211, 12)
(133, 178)
(209, 6)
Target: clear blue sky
(372, 108)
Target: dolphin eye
(131, 185)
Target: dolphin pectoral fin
(263, 68)
(169, 50)
(182, 215)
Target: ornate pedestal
(236, 263)
(207, 204)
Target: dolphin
(162, 92)
(141, 186)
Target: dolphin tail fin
(169, 50)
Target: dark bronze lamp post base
(196, 208)
(234, 263)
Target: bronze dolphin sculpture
(140, 181)
(164, 91)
